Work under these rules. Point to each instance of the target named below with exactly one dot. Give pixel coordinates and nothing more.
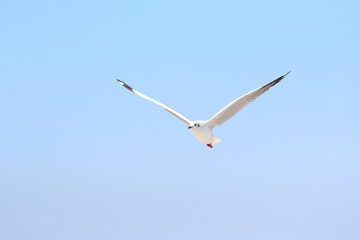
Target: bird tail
(216, 140)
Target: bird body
(203, 130)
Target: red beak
(189, 127)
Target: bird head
(195, 125)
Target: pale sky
(83, 158)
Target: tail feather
(216, 140)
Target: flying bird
(203, 130)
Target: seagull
(203, 130)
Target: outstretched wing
(173, 112)
(235, 106)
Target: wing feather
(172, 111)
(235, 106)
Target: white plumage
(202, 130)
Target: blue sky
(83, 158)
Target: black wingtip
(284, 75)
(125, 85)
(273, 83)
(280, 78)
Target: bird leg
(209, 145)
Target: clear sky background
(83, 158)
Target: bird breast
(203, 134)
